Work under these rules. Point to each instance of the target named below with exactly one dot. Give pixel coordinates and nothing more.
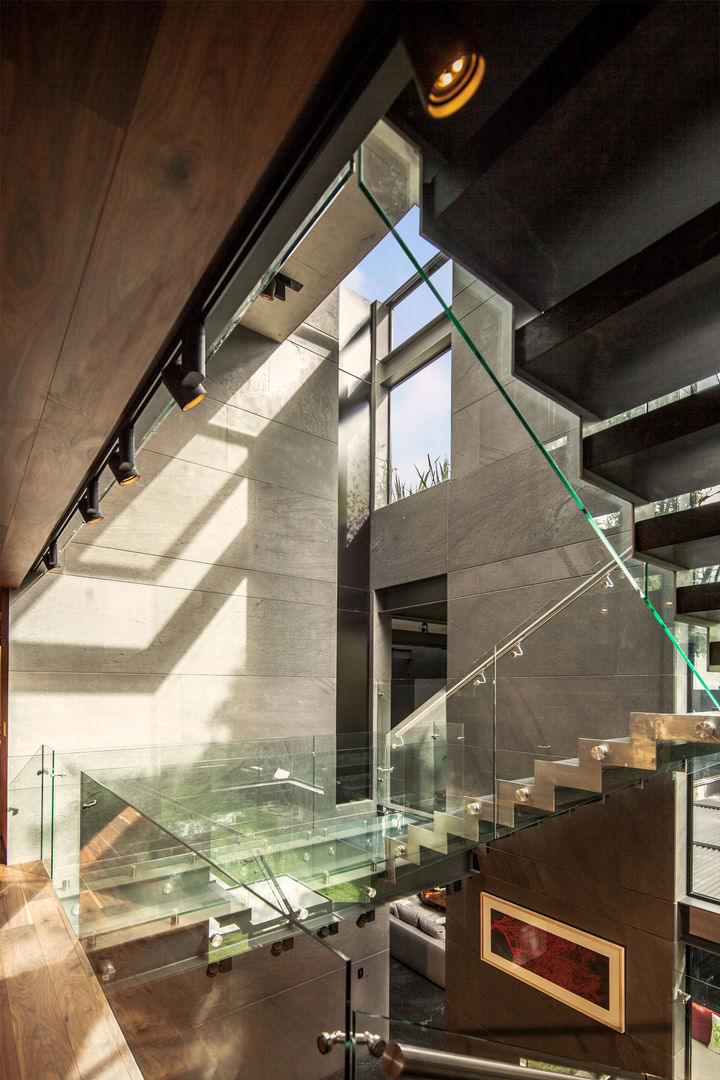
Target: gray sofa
(417, 938)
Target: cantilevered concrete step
(698, 603)
(642, 330)
(666, 452)
(600, 767)
(686, 539)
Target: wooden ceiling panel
(59, 162)
(223, 86)
(89, 50)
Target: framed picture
(579, 969)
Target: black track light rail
(367, 75)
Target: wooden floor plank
(9, 1062)
(55, 1022)
(38, 1024)
(85, 1023)
(114, 1030)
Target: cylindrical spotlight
(122, 460)
(50, 558)
(183, 378)
(89, 505)
(447, 67)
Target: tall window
(420, 429)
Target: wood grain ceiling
(133, 134)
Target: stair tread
(666, 452)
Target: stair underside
(698, 603)
(686, 539)
(669, 451)
(640, 331)
(544, 232)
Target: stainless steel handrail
(418, 1063)
(521, 636)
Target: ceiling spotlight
(275, 288)
(89, 505)
(50, 558)
(447, 69)
(122, 460)
(183, 377)
(455, 85)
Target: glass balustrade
(699, 993)
(29, 806)
(566, 675)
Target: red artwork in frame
(581, 970)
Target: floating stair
(685, 540)
(600, 768)
(645, 328)
(666, 452)
(698, 604)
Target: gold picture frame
(579, 969)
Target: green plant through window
(419, 423)
(435, 473)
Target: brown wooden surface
(55, 1022)
(4, 673)
(115, 201)
(606, 869)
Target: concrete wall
(512, 542)
(203, 608)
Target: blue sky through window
(386, 267)
(420, 421)
(419, 406)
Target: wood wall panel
(223, 86)
(608, 869)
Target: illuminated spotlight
(122, 459)
(447, 68)
(89, 505)
(455, 85)
(50, 558)
(276, 286)
(183, 377)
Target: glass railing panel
(156, 900)
(540, 576)
(28, 809)
(565, 692)
(532, 445)
(215, 992)
(699, 989)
